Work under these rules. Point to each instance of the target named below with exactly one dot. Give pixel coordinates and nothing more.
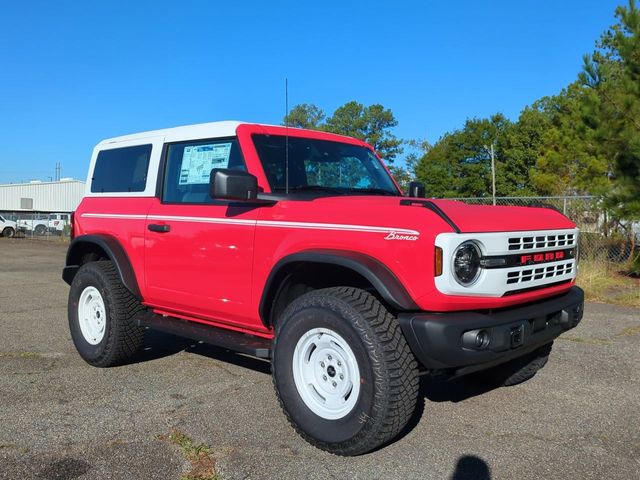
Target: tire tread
(397, 396)
(125, 335)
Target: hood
(489, 218)
(410, 213)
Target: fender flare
(114, 251)
(375, 272)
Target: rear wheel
(519, 370)
(40, 229)
(102, 315)
(343, 372)
(8, 232)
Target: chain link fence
(603, 240)
(35, 225)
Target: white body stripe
(114, 215)
(259, 223)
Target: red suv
(298, 246)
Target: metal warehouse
(60, 196)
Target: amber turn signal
(438, 262)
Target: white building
(36, 196)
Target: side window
(189, 164)
(121, 170)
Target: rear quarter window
(121, 170)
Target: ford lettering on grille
(542, 257)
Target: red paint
(216, 273)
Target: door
(199, 252)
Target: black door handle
(154, 227)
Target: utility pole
(491, 151)
(58, 168)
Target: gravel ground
(62, 419)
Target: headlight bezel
(478, 256)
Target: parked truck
(298, 246)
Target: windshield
(322, 166)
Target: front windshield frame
(322, 167)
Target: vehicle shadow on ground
(455, 390)
(159, 345)
(441, 390)
(259, 365)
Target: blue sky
(73, 73)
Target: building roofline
(53, 182)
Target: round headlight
(466, 263)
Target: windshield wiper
(379, 191)
(312, 188)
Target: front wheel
(8, 232)
(40, 230)
(343, 372)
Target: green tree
(611, 77)
(405, 174)
(372, 124)
(459, 164)
(570, 160)
(522, 143)
(305, 115)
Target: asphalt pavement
(579, 418)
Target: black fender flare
(374, 271)
(113, 250)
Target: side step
(231, 340)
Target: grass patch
(603, 282)
(19, 354)
(590, 341)
(199, 456)
(629, 331)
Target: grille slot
(565, 240)
(538, 273)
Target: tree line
(583, 141)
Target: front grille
(538, 273)
(565, 240)
(529, 289)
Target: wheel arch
(95, 247)
(351, 267)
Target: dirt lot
(61, 419)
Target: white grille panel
(496, 282)
(566, 240)
(539, 273)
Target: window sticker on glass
(199, 160)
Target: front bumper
(464, 342)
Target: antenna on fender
(286, 135)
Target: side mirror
(416, 189)
(225, 184)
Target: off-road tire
(388, 370)
(8, 232)
(519, 370)
(122, 336)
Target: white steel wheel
(326, 373)
(92, 315)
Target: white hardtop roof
(226, 128)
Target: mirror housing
(417, 190)
(236, 185)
